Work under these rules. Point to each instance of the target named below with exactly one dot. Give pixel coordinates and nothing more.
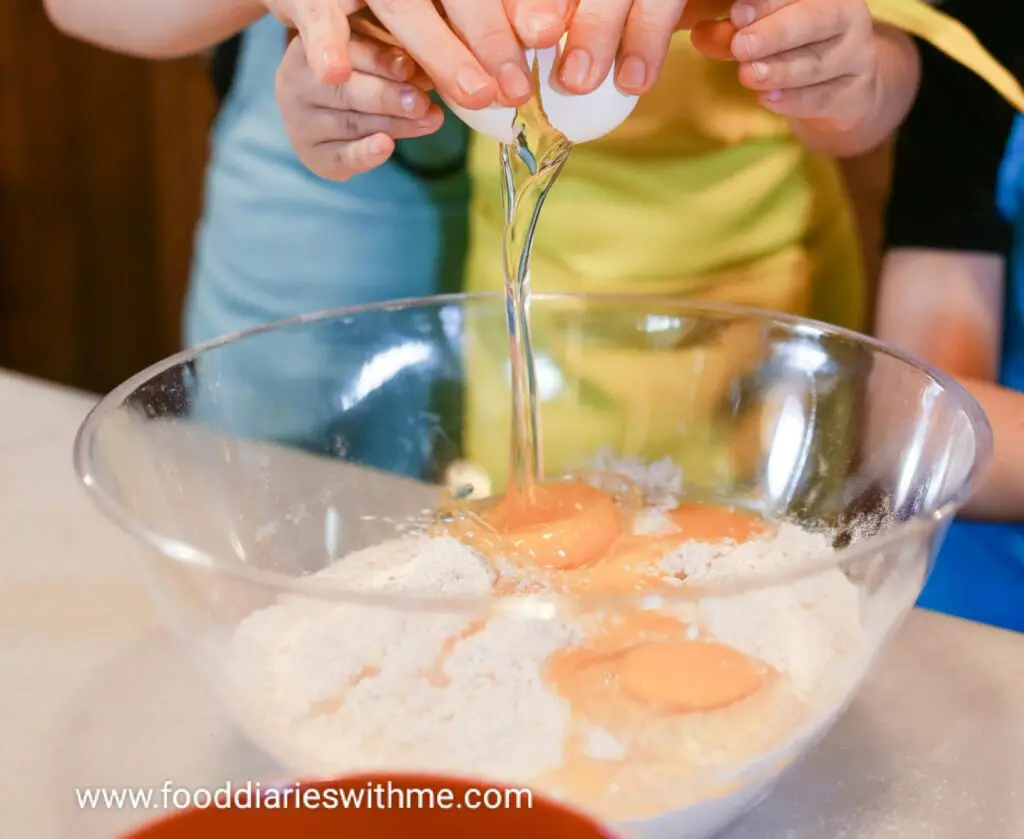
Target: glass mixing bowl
(284, 486)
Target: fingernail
(774, 95)
(409, 99)
(543, 23)
(329, 62)
(576, 68)
(471, 81)
(377, 145)
(760, 70)
(514, 83)
(427, 122)
(633, 73)
(401, 67)
(743, 15)
(752, 45)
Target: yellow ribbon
(951, 37)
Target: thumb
(540, 23)
(713, 39)
(696, 11)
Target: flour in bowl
(333, 687)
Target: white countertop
(93, 693)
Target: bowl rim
(544, 604)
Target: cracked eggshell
(494, 121)
(581, 118)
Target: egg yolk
(583, 539)
(708, 523)
(559, 525)
(647, 659)
(687, 676)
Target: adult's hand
(323, 27)
(633, 34)
(469, 48)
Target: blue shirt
(958, 184)
(979, 572)
(276, 240)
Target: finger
(539, 23)
(698, 11)
(594, 36)
(368, 94)
(436, 49)
(645, 41)
(484, 25)
(814, 100)
(797, 68)
(294, 80)
(325, 125)
(768, 27)
(323, 27)
(713, 39)
(369, 55)
(422, 81)
(344, 159)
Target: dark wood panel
(101, 161)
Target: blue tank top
(979, 572)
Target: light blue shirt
(275, 240)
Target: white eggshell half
(581, 118)
(494, 121)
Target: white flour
(800, 628)
(333, 688)
(347, 688)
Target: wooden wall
(101, 161)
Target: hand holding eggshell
(581, 118)
(633, 35)
(473, 50)
(480, 65)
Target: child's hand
(343, 130)
(810, 59)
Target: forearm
(897, 80)
(153, 28)
(1001, 496)
(946, 307)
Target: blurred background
(101, 166)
